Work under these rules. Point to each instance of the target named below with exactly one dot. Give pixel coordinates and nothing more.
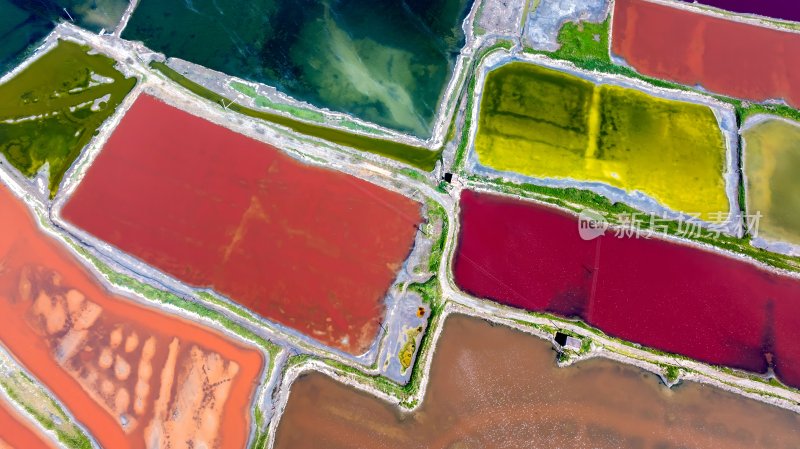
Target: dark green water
(386, 61)
(23, 23)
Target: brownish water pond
(495, 387)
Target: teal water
(24, 23)
(385, 61)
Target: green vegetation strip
(300, 113)
(50, 110)
(37, 403)
(461, 150)
(261, 436)
(421, 158)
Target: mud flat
(313, 249)
(134, 376)
(664, 295)
(777, 9)
(17, 432)
(541, 122)
(771, 163)
(385, 62)
(544, 23)
(706, 50)
(491, 386)
(51, 109)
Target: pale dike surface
(385, 61)
(495, 387)
(24, 23)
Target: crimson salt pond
(494, 387)
(309, 247)
(664, 295)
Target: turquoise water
(24, 23)
(385, 61)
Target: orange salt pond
(134, 376)
(17, 432)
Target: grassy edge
(298, 112)
(73, 440)
(418, 157)
(461, 149)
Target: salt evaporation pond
(771, 160)
(23, 24)
(545, 123)
(664, 295)
(778, 9)
(494, 387)
(309, 247)
(385, 61)
(724, 56)
(129, 373)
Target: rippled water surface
(386, 61)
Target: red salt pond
(731, 58)
(16, 432)
(311, 248)
(664, 295)
(135, 376)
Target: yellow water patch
(772, 160)
(543, 123)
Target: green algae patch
(51, 109)
(544, 123)
(406, 354)
(772, 159)
(419, 157)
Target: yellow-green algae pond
(544, 123)
(51, 109)
(772, 159)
